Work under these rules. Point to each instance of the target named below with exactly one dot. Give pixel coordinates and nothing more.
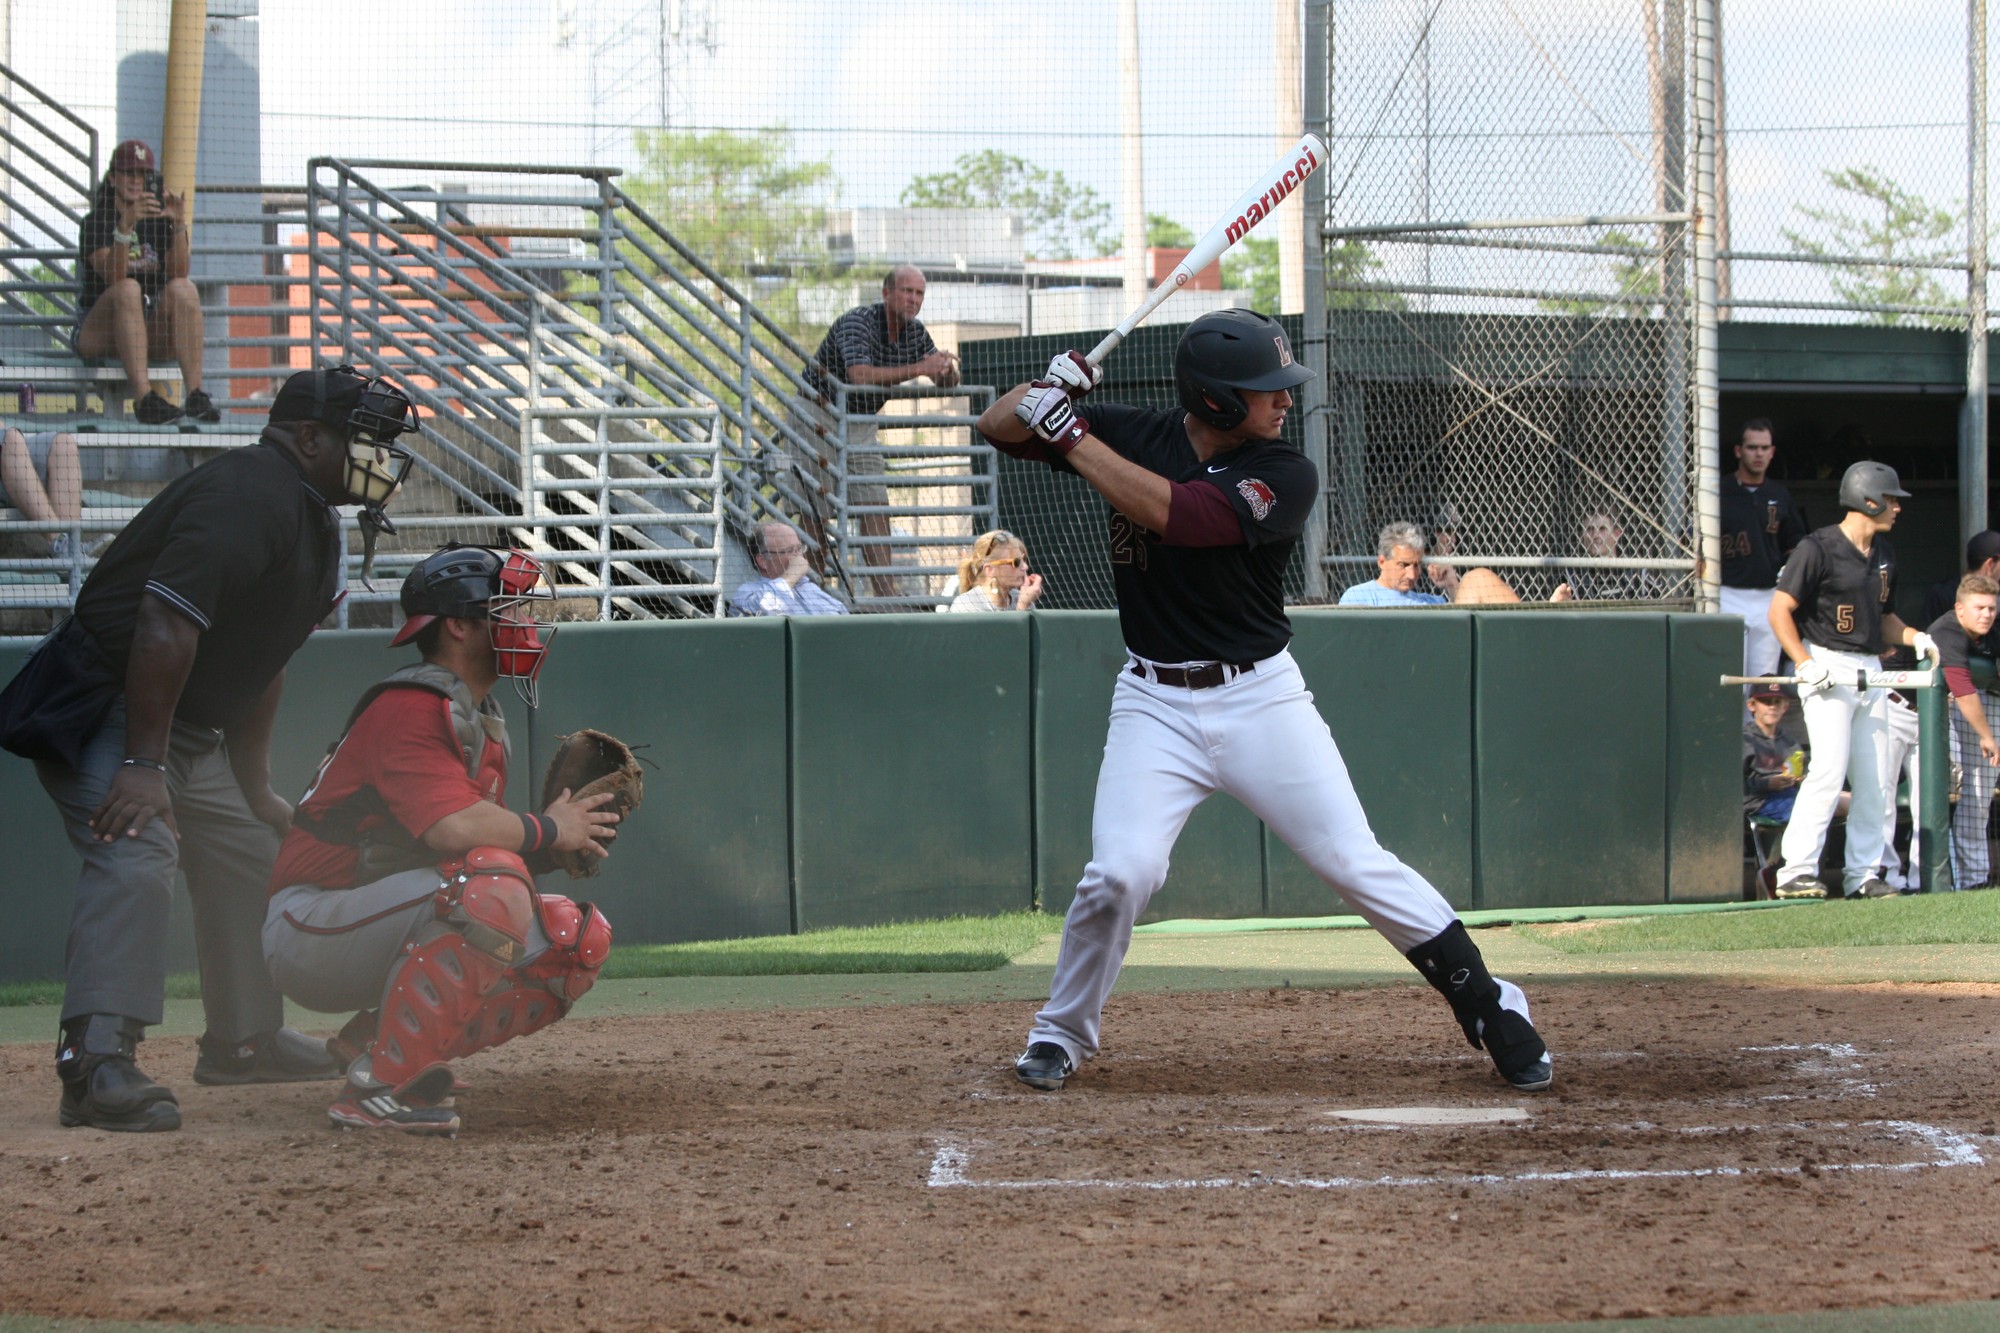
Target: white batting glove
(1923, 645)
(1047, 411)
(1074, 373)
(1812, 676)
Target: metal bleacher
(589, 388)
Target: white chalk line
(952, 1160)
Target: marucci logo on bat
(1261, 207)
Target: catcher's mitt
(587, 763)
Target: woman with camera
(136, 297)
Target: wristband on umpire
(134, 761)
(537, 832)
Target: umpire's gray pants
(116, 960)
(332, 950)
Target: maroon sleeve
(1200, 515)
(1030, 450)
(1959, 680)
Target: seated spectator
(787, 587)
(41, 476)
(136, 298)
(1982, 556)
(995, 576)
(1471, 587)
(1399, 555)
(1598, 535)
(1774, 763)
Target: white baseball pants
(1970, 862)
(1848, 728)
(1760, 642)
(1260, 738)
(1900, 760)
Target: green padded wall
(1704, 759)
(1395, 687)
(708, 855)
(1570, 733)
(42, 869)
(911, 792)
(1217, 867)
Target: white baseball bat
(1869, 680)
(1306, 156)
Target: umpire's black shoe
(1517, 1051)
(103, 1086)
(283, 1056)
(1044, 1065)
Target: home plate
(1432, 1115)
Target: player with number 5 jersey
(1208, 502)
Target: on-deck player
(1207, 504)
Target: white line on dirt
(1949, 1148)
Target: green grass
(958, 944)
(1947, 918)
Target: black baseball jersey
(1955, 646)
(1760, 526)
(245, 548)
(1206, 603)
(1842, 594)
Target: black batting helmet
(1867, 486)
(1228, 350)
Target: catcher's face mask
(519, 617)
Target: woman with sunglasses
(995, 577)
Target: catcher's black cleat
(103, 1086)
(1043, 1065)
(282, 1056)
(358, 1108)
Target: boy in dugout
(1964, 630)
(405, 890)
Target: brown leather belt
(1897, 696)
(1204, 677)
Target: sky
(1534, 105)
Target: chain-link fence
(1507, 301)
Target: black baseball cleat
(1517, 1051)
(1043, 1065)
(1804, 886)
(283, 1056)
(103, 1086)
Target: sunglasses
(1020, 560)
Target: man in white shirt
(787, 587)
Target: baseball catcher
(406, 889)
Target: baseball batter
(404, 890)
(1207, 505)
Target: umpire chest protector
(387, 847)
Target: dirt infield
(1707, 1149)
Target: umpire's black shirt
(245, 548)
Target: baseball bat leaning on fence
(1258, 202)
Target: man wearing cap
(149, 712)
(1829, 613)
(1760, 526)
(136, 299)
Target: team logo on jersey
(1261, 497)
(1771, 517)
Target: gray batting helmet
(1867, 486)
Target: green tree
(1253, 266)
(1162, 232)
(1634, 280)
(1062, 220)
(739, 200)
(1888, 224)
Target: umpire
(148, 714)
